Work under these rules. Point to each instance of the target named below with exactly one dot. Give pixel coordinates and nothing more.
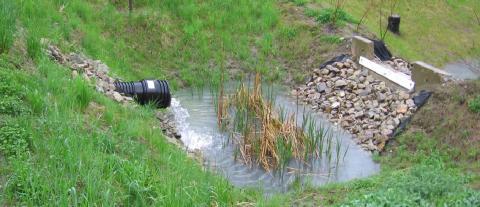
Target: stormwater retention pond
(196, 120)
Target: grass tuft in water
(272, 138)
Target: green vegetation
(474, 104)
(334, 39)
(81, 148)
(299, 2)
(416, 173)
(433, 163)
(428, 183)
(263, 135)
(449, 40)
(15, 140)
(8, 13)
(64, 144)
(334, 16)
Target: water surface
(197, 121)
(467, 69)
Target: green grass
(424, 176)
(426, 33)
(428, 182)
(178, 40)
(34, 48)
(300, 2)
(334, 16)
(474, 104)
(8, 13)
(77, 154)
(333, 39)
(60, 149)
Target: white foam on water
(191, 139)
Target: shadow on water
(197, 122)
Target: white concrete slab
(396, 77)
(432, 68)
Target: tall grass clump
(8, 16)
(336, 16)
(82, 93)
(34, 48)
(267, 137)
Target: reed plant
(269, 137)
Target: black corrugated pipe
(146, 91)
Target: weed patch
(12, 106)
(334, 16)
(333, 39)
(300, 2)
(337, 17)
(474, 104)
(14, 140)
(11, 95)
(424, 185)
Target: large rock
(402, 108)
(321, 87)
(117, 97)
(403, 95)
(335, 105)
(340, 83)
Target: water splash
(190, 138)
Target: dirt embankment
(448, 119)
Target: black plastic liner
(340, 58)
(419, 100)
(422, 98)
(381, 51)
(147, 91)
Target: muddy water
(197, 122)
(469, 69)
